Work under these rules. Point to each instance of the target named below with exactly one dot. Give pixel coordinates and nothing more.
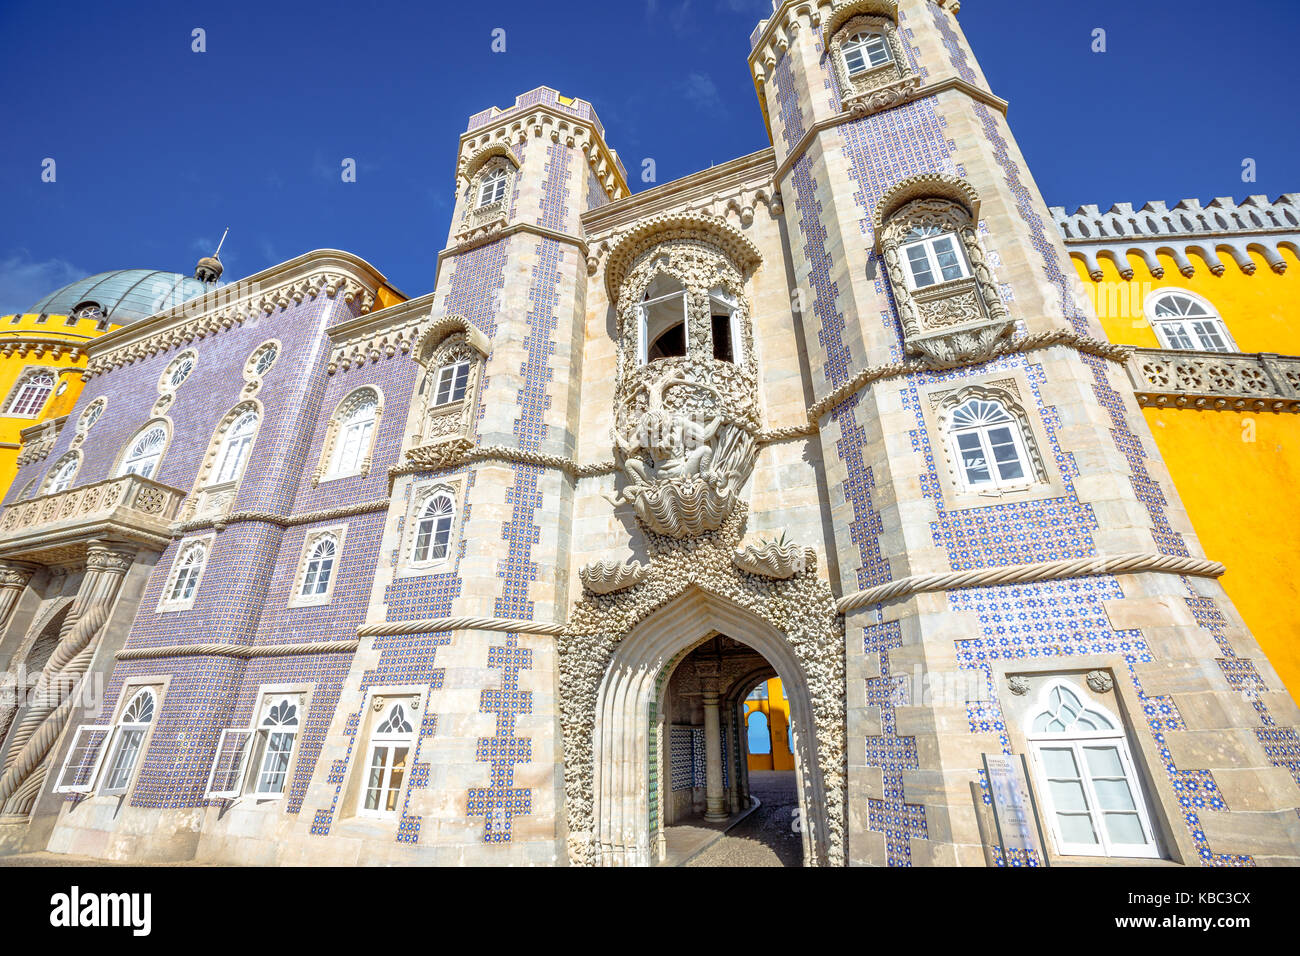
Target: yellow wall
(32, 343)
(1236, 472)
(777, 709)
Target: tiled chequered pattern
(596, 196)
(1167, 540)
(1281, 744)
(898, 821)
(789, 107)
(1063, 619)
(403, 659)
(555, 188)
(681, 757)
(956, 53)
(501, 801)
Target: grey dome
(126, 295)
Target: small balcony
(54, 529)
(1252, 381)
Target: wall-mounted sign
(1014, 810)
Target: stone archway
(617, 648)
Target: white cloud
(700, 89)
(24, 282)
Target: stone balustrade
(1257, 381)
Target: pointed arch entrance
(627, 746)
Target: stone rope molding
(282, 521)
(389, 628)
(239, 651)
(1135, 563)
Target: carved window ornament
(433, 524)
(1094, 800)
(453, 353)
(182, 585)
(260, 361)
(489, 178)
(388, 758)
(144, 453)
(948, 304)
(318, 567)
(88, 418)
(867, 55)
(30, 393)
(350, 435)
(1186, 321)
(988, 443)
(274, 737)
(62, 474)
(177, 371)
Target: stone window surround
(489, 160)
(1009, 388)
(250, 771)
(454, 421)
(421, 493)
(324, 468)
(165, 603)
(48, 482)
(139, 433)
(857, 88)
(253, 381)
(217, 441)
(158, 683)
(1176, 847)
(83, 429)
(296, 597)
(376, 704)
(164, 379)
(29, 372)
(952, 322)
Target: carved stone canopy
(665, 227)
(439, 329)
(925, 186)
(844, 12)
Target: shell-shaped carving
(683, 508)
(607, 575)
(775, 560)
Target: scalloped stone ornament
(773, 560)
(608, 575)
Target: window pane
(1211, 340)
(395, 778)
(1114, 794)
(1005, 453)
(879, 50)
(1177, 336)
(1068, 796)
(1125, 828)
(1077, 828)
(276, 763)
(462, 379)
(949, 261)
(374, 785)
(120, 773)
(1104, 761)
(855, 61)
(973, 460)
(1059, 762)
(919, 263)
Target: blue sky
(159, 148)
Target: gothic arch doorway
(630, 755)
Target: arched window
(276, 733)
(320, 566)
(128, 741)
(356, 427)
(865, 51)
(178, 371)
(387, 762)
(451, 382)
(144, 454)
(493, 188)
(189, 568)
(433, 528)
(32, 392)
(760, 734)
(988, 446)
(61, 474)
(1185, 321)
(261, 361)
(91, 415)
(1093, 795)
(663, 320)
(232, 455)
(933, 256)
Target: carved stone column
(14, 576)
(33, 738)
(715, 799)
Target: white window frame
(862, 41)
(27, 384)
(121, 731)
(240, 769)
(59, 785)
(927, 245)
(447, 375)
(643, 330)
(1173, 330)
(62, 475)
(390, 742)
(167, 382)
(129, 461)
(228, 471)
(493, 188)
(996, 482)
(1077, 741)
(420, 518)
(183, 603)
(719, 297)
(261, 740)
(336, 533)
(354, 423)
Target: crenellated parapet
(1222, 229)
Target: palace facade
(487, 575)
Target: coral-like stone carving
(779, 560)
(607, 575)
